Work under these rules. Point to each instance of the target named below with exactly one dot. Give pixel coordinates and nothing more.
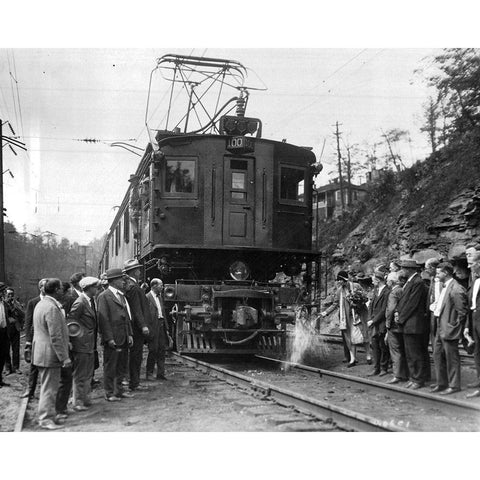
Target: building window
(126, 226)
(292, 182)
(180, 177)
(355, 195)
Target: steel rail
(344, 418)
(429, 399)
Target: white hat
(86, 282)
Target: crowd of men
(409, 307)
(62, 325)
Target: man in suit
(83, 313)
(158, 342)
(115, 327)
(450, 314)
(376, 322)
(4, 343)
(411, 314)
(16, 319)
(472, 327)
(49, 351)
(141, 318)
(74, 292)
(33, 373)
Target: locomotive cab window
(292, 183)
(180, 177)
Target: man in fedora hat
(141, 319)
(411, 314)
(4, 343)
(115, 327)
(50, 351)
(84, 313)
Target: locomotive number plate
(240, 145)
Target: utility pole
(340, 178)
(2, 230)
(349, 178)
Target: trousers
(82, 377)
(414, 343)
(13, 361)
(397, 353)
(4, 347)
(114, 369)
(135, 360)
(64, 389)
(446, 357)
(476, 351)
(381, 356)
(49, 382)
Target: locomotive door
(239, 201)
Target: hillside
(434, 204)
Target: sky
(56, 97)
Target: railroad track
(455, 414)
(346, 419)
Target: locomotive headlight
(239, 270)
(169, 292)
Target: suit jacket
(453, 312)
(69, 300)
(376, 310)
(158, 325)
(82, 312)
(50, 337)
(393, 298)
(113, 320)
(14, 311)
(473, 315)
(139, 305)
(411, 308)
(32, 303)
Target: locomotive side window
(180, 176)
(292, 181)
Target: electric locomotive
(223, 217)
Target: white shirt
(158, 304)
(437, 288)
(380, 290)
(3, 316)
(438, 308)
(476, 287)
(119, 296)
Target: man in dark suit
(451, 313)
(83, 314)
(74, 292)
(4, 343)
(115, 327)
(33, 373)
(376, 322)
(141, 318)
(472, 327)
(411, 314)
(15, 320)
(158, 342)
(49, 351)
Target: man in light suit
(376, 322)
(83, 313)
(411, 314)
(49, 351)
(450, 314)
(115, 327)
(33, 373)
(158, 342)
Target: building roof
(331, 187)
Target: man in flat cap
(115, 327)
(141, 318)
(412, 316)
(4, 343)
(83, 312)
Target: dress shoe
(473, 385)
(351, 364)
(161, 377)
(383, 373)
(474, 394)
(26, 394)
(449, 391)
(373, 373)
(416, 386)
(408, 384)
(369, 361)
(112, 398)
(50, 425)
(140, 387)
(125, 383)
(125, 395)
(393, 380)
(61, 416)
(80, 408)
(437, 388)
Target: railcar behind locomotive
(218, 213)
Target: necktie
(92, 304)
